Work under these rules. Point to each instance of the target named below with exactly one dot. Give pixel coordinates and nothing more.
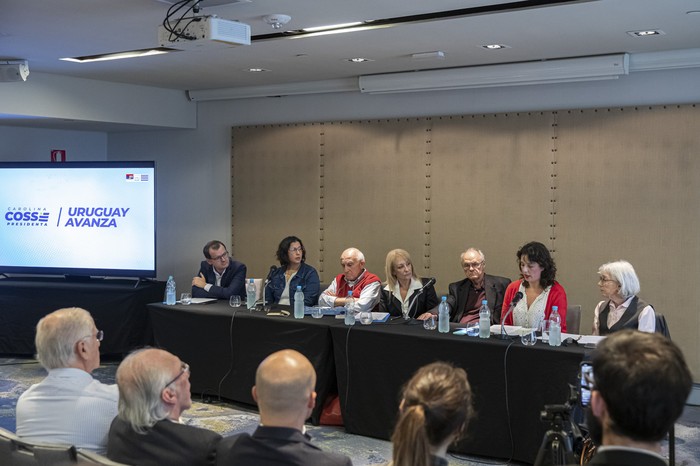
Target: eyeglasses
(603, 280)
(472, 265)
(299, 249)
(98, 336)
(221, 258)
(184, 368)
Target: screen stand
(79, 278)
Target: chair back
(15, 451)
(573, 319)
(662, 325)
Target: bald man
(365, 286)
(68, 406)
(154, 390)
(284, 391)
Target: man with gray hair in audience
(154, 390)
(68, 406)
(284, 391)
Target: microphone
(518, 296)
(273, 269)
(430, 282)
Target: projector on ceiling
(204, 32)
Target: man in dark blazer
(640, 384)
(219, 275)
(284, 391)
(154, 389)
(465, 296)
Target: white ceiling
(42, 31)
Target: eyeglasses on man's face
(184, 368)
(98, 336)
(471, 265)
(221, 258)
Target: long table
(367, 365)
(117, 305)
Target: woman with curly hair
(540, 290)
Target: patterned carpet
(16, 375)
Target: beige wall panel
(491, 189)
(275, 192)
(593, 185)
(374, 193)
(630, 189)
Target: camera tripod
(557, 445)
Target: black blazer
(424, 301)
(494, 287)
(275, 446)
(614, 457)
(166, 442)
(232, 283)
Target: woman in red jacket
(540, 290)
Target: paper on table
(510, 330)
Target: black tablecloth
(118, 307)
(373, 363)
(224, 349)
(369, 364)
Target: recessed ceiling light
(646, 33)
(426, 55)
(495, 46)
(120, 55)
(358, 60)
(256, 70)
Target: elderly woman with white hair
(621, 307)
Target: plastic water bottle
(299, 303)
(484, 320)
(170, 291)
(444, 316)
(555, 327)
(350, 309)
(250, 294)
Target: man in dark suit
(640, 384)
(219, 275)
(154, 389)
(465, 296)
(284, 391)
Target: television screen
(78, 218)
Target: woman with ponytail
(435, 409)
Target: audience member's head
(284, 389)
(641, 383)
(435, 409)
(153, 385)
(68, 338)
(353, 263)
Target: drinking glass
(186, 298)
(235, 301)
(430, 323)
(316, 312)
(529, 337)
(366, 317)
(544, 331)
